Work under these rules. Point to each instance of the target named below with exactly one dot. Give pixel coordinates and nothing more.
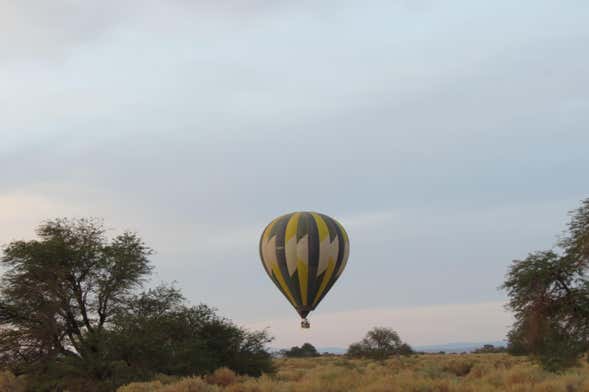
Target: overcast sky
(449, 138)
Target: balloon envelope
(304, 253)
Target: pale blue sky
(448, 138)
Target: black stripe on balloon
(302, 226)
(275, 228)
(331, 226)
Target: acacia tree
(549, 294)
(60, 291)
(71, 316)
(306, 350)
(379, 343)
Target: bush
(157, 333)
(459, 367)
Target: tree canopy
(61, 290)
(549, 294)
(305, 351)
(72, 316)
(489, 349)
(379, 343)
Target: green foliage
(59, 294)
(306, 350)
(70, 318)
(549, 294)
(379, 343)
(157, 333)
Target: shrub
(459, 367)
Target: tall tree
(71, 317)
(60, 291)
(549, 294)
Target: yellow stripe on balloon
(321, 226)
(326, 278)
(282, 282)
(291, 227)
(346, 250)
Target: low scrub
(417, 373)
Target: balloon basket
(305, 324)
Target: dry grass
(190, 384)
(424, 373)
(152, 386)
(222, 377)
(10, 383)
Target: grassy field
(423, 373)
(443, 373)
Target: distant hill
(434, 348)
(457, 347)
(332, 350)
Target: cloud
(417, 325)
(445, 145)
(53, 32)
(37, 30)
(21, 212)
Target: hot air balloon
(304, 253)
